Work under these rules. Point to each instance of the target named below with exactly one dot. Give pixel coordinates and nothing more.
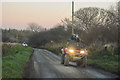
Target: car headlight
(71, 51)
(82, 52)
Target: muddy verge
(28, 67)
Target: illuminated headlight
(82, 51)
(71, 51)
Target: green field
(14, 59)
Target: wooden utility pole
(72, 17)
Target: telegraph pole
(72, 17)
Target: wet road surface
(45, 64)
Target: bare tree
(118, 11)
(66, 23)
(34, 27)
(86, 18)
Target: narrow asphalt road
(45, 64)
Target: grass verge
(106, 64)
(14, 59)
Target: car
(24, 44)
(74, 53)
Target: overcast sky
(47, 14)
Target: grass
(54, 50)
(106, 59)
(105, 64)
(14, 60)
(55, 47)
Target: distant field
(14, 58)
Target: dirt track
(45, 64)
